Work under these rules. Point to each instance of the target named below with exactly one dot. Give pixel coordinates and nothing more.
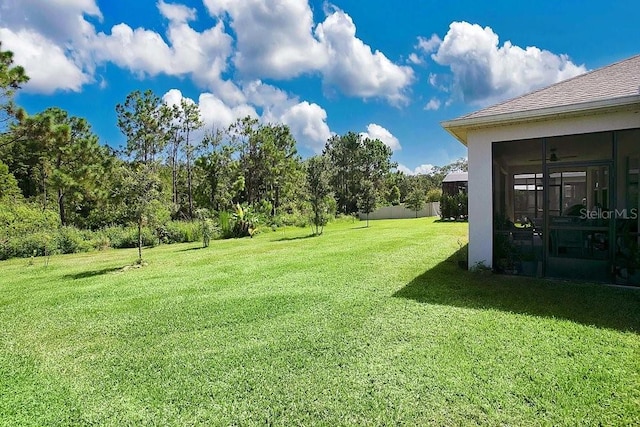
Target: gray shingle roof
(456, 177)
(613, 81)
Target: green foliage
(39, 243)
(219, 177)
(207, 226)
(297, 214)
(185, 119)
(245, 223)
(141, 191)
(357, 329)
(146, 123)
(178, 232)
(353, 160)
(434, 195)
(263, 211)
(242, 223)
(70, 240)
(127, 237)
(454, 206)
(58, 158)
(415, 200)
(226, 224)
(100, 241)
(394, 196)
(367, 198)
(27, 231)
(8, 184)
(12, 77)
(18, 218)
(319, 193)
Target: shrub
(127, 237)
(100, 240)
(434, 195)
(35, 244)
(19, 219)
(455, 206)
(263, 211)
(25, 230)
(225, 223)
(207, 226)
(179, 232)
(296, 218)
(70, 240)
(242, 223)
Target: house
(454, 183)
(554, 178)
(453, 203)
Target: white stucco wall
(479, 143)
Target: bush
(179, 232)
(34, 244)
(70, 240)
(455, 206)
(226, 224)
(19, 219)
(297, 219)
(25, 230)
(99, 240)
(434, 195)
(242, 223)
(127, 237)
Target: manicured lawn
(360, 326)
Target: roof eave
(458, 133)
(459, 127)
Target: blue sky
(392, 70)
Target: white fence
(399, 212)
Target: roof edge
(458, 127)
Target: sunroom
(554, 179)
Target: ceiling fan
(553, 156)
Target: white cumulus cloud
(307, 121)
(56, 32)
(48, 38)
(274, 37)
(424, 169)
(485, 72)
(60, 21)
(432, 105)
(375, 131)
(415, 59)
(203, 55)
(176, 12)
(354, 68)
(429, 45)
(279, 39)
(308, 124)
(46, 64)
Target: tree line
(174, 168)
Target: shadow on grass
(288, 239)
(92, 273)
(585, 303)
(197, 248)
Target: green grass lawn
(361, 326)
